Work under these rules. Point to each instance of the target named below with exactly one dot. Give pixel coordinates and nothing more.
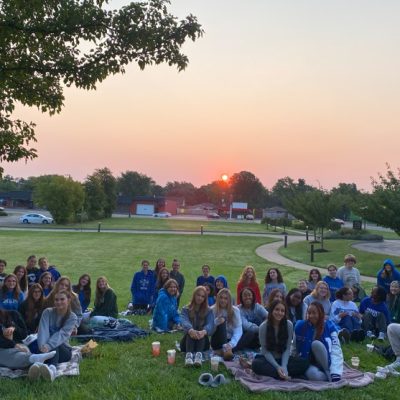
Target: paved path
(391, 247)
(270, 252)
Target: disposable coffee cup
(171, 356)
(370, 348)
(355, 361)
(155, 349)
(214, 363)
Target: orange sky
(307, 89)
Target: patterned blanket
(63, 369)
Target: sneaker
(206, 379)
(48, 372)
(381, 336)
(219, 380)
(189, 360)
(198, 359)
(344, 336)
(34, 372)
(380, 375)
(395, 364)
(370, 335)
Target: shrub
(334, 226)
(298, 224)
(3, 213)
(353, 234)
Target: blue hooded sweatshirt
(165, 312)
(222, 279)
(385, 282)
(142, 288)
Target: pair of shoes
(189, 359)
(207, 379)
(394, 365)
(381, 336)
(388, 370)
(344, 336)
(370, 335)
(47, 372)
(228, 355)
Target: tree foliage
(46, 45)
(181, 189)
(287, 188)
(132, 183)
(62, 196)
(383, 204)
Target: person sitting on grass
(387, 274)
(248, 279)
(3, 265)
(32, 307)
(334, 283)
(220, 283)
(273, 280)
(253, 315)
(197, 323)
(105, 302)
(393, 332)
(295, 307)
(142, 288)
(227, 325)
(314, 276)
(320, 295)
(31, 269)
(206, 277)
(316, 340)
(163, 276)
(45, 267)
(210, 293)
(84, 291)
(55, 328)
(348, 273)
(20, 273)
(13, 354)
(375, 314)
(10, 293)
(46, 282)
(345, 314)
(393, 301)
(165, 315)
(302, 286)
(275, 294)
(179, 278)
(276, 335)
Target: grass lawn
(150, 223)
(127, 370)
(367, 263)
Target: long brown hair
(16, 291)
(276, 342)
(23, 282)
(68, 313)
(100, 294)
(49, 301)
(319, 326)
(87, 291)
(229, 309)
(35, 307)
(202, 310)
(44, 274)
(160, 282)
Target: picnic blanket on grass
(69, 368)
(257, 383)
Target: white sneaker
(48, 372)
(198, 359)
(381, 336)
(370, 335)
(394, 365)
(34, 372)
(380, 375)
(189, 360)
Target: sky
(302, 88)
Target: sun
(224, 177)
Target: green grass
(367, 263)
(127, 370)
(150, 223)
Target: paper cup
(171, 356)
(155, 349)
(370, 348)
(214, 363)
(355, 361)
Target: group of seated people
(299, 332)
(40, 310)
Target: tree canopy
(46, 45)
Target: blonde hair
(229, 308)
(49, 300)
(202, 309)
(315, 294)
(100, 294)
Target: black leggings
(249, 340)
(296, 366)
(63, 354)
(219, 338)
(189, 345)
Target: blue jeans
(350, 323)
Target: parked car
(338, 220)
(213, 215)
(249, 217)
(35, 219)
(1, 208)
(163, 214)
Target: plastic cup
(214, 363)
(355, 361)
(171, 356)
(155, 349)
(370, 348)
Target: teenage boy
(142, 287)
(348, 273)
